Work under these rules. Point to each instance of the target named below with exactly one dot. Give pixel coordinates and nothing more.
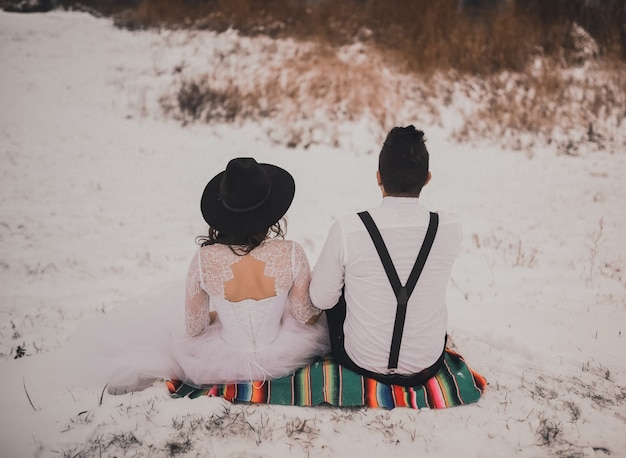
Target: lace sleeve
(196, 300)
(301, 306)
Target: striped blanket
(326, 382)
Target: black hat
(247, 197)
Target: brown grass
(421, 35)
(318, 90)
(312, 90)
(487, 58)
(542, 102)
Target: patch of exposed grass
(312, 93)
(526, 73)
(553, 104)
(309, 95)
(422, 35)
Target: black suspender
(402, 293)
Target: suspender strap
(401, 292)
(381, 248)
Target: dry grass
(315, 88)
(312, 93)
(422, 35)
(551, 103)
(530, 71)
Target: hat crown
(247, 197)
(245, 185)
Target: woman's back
(275, 268)
(266, 271)
(262, 302)
(251, 325)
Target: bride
(247, 313)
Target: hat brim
(240, 224)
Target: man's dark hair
(403, 161)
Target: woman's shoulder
(212, 248)
(215, 252)
(278, 244)
(283, 245)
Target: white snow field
(99, 208)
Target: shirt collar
(392, 200)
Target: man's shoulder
(348, 222)
(448, 218)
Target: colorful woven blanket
(326, 382)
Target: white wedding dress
(250, 340)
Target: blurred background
(476, 36)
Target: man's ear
(428, 177)
(378, 180)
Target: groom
(382, 274)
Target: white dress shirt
(349, 258)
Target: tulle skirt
(132, 346)
(207, 358)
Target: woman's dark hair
(403, 161)
(242, 245)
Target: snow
(99, 209)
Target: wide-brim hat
(247, 197)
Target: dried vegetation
(525, 71)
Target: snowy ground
(99, 208)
